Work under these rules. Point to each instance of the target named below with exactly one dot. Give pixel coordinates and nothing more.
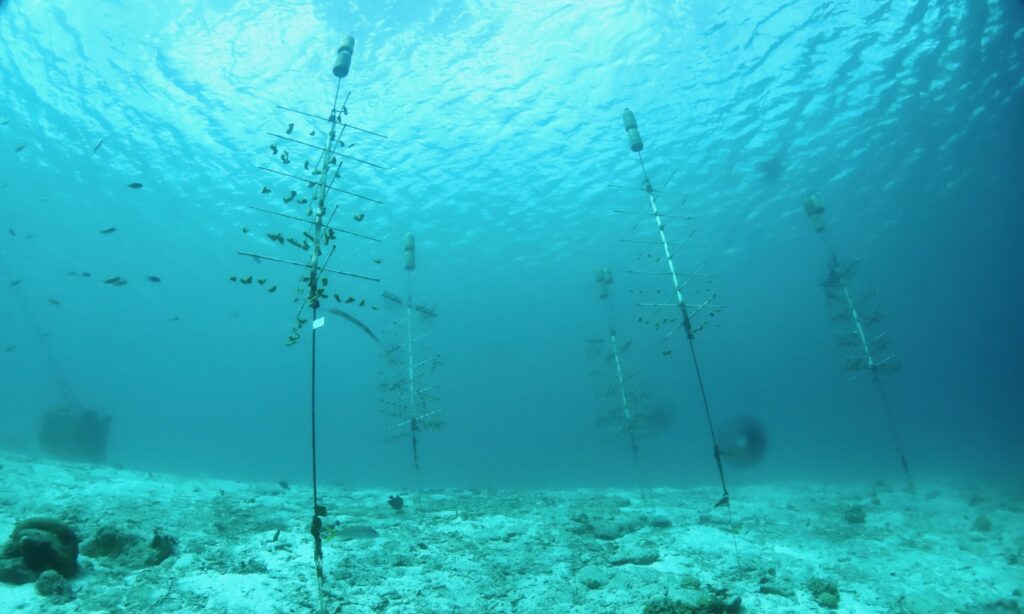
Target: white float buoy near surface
(343, 59)
(410, 252)
(636, 143)
(604, 279)
(601, 281)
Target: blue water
(503, 125)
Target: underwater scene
(672, 306)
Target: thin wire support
(66, 391)
(629, 417)
(409, 393)
(870, 353)
(319, 242)
(636, 145)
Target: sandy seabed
(246, 547)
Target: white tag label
(317, 323)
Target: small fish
(15, 282)
(97, 148)
(666, 352)
(290, 128)
(272, 289)
(85, 274)
(233, 278)
(312, 133)
(378, 260)
(154, 279)
(135, 186)
(19, 148)
(273, 149)
(349, 300)
(306, 165)
(261, 281)
(279, 237)
(245, 230)
(173, 318)
(112, 280)
(9, 348)
(246, 280)
(107, 231)
(359, 217)
(265, 190)
(72, 272)
(11, 232)
(283, 484)
(285, 158)
(337, 298)
(54, 301)
(291, 196)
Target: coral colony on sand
(408, 395)
(312, 189)
(869, 351)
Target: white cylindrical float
(604, 279)
(410, 252)
(629, 121)
(343, 59)
(813, 209)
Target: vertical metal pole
(688, 328)
(314, 302)
(636, 145)
(412, 372)
(862, 337)
(626, 410)
(815, 211)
